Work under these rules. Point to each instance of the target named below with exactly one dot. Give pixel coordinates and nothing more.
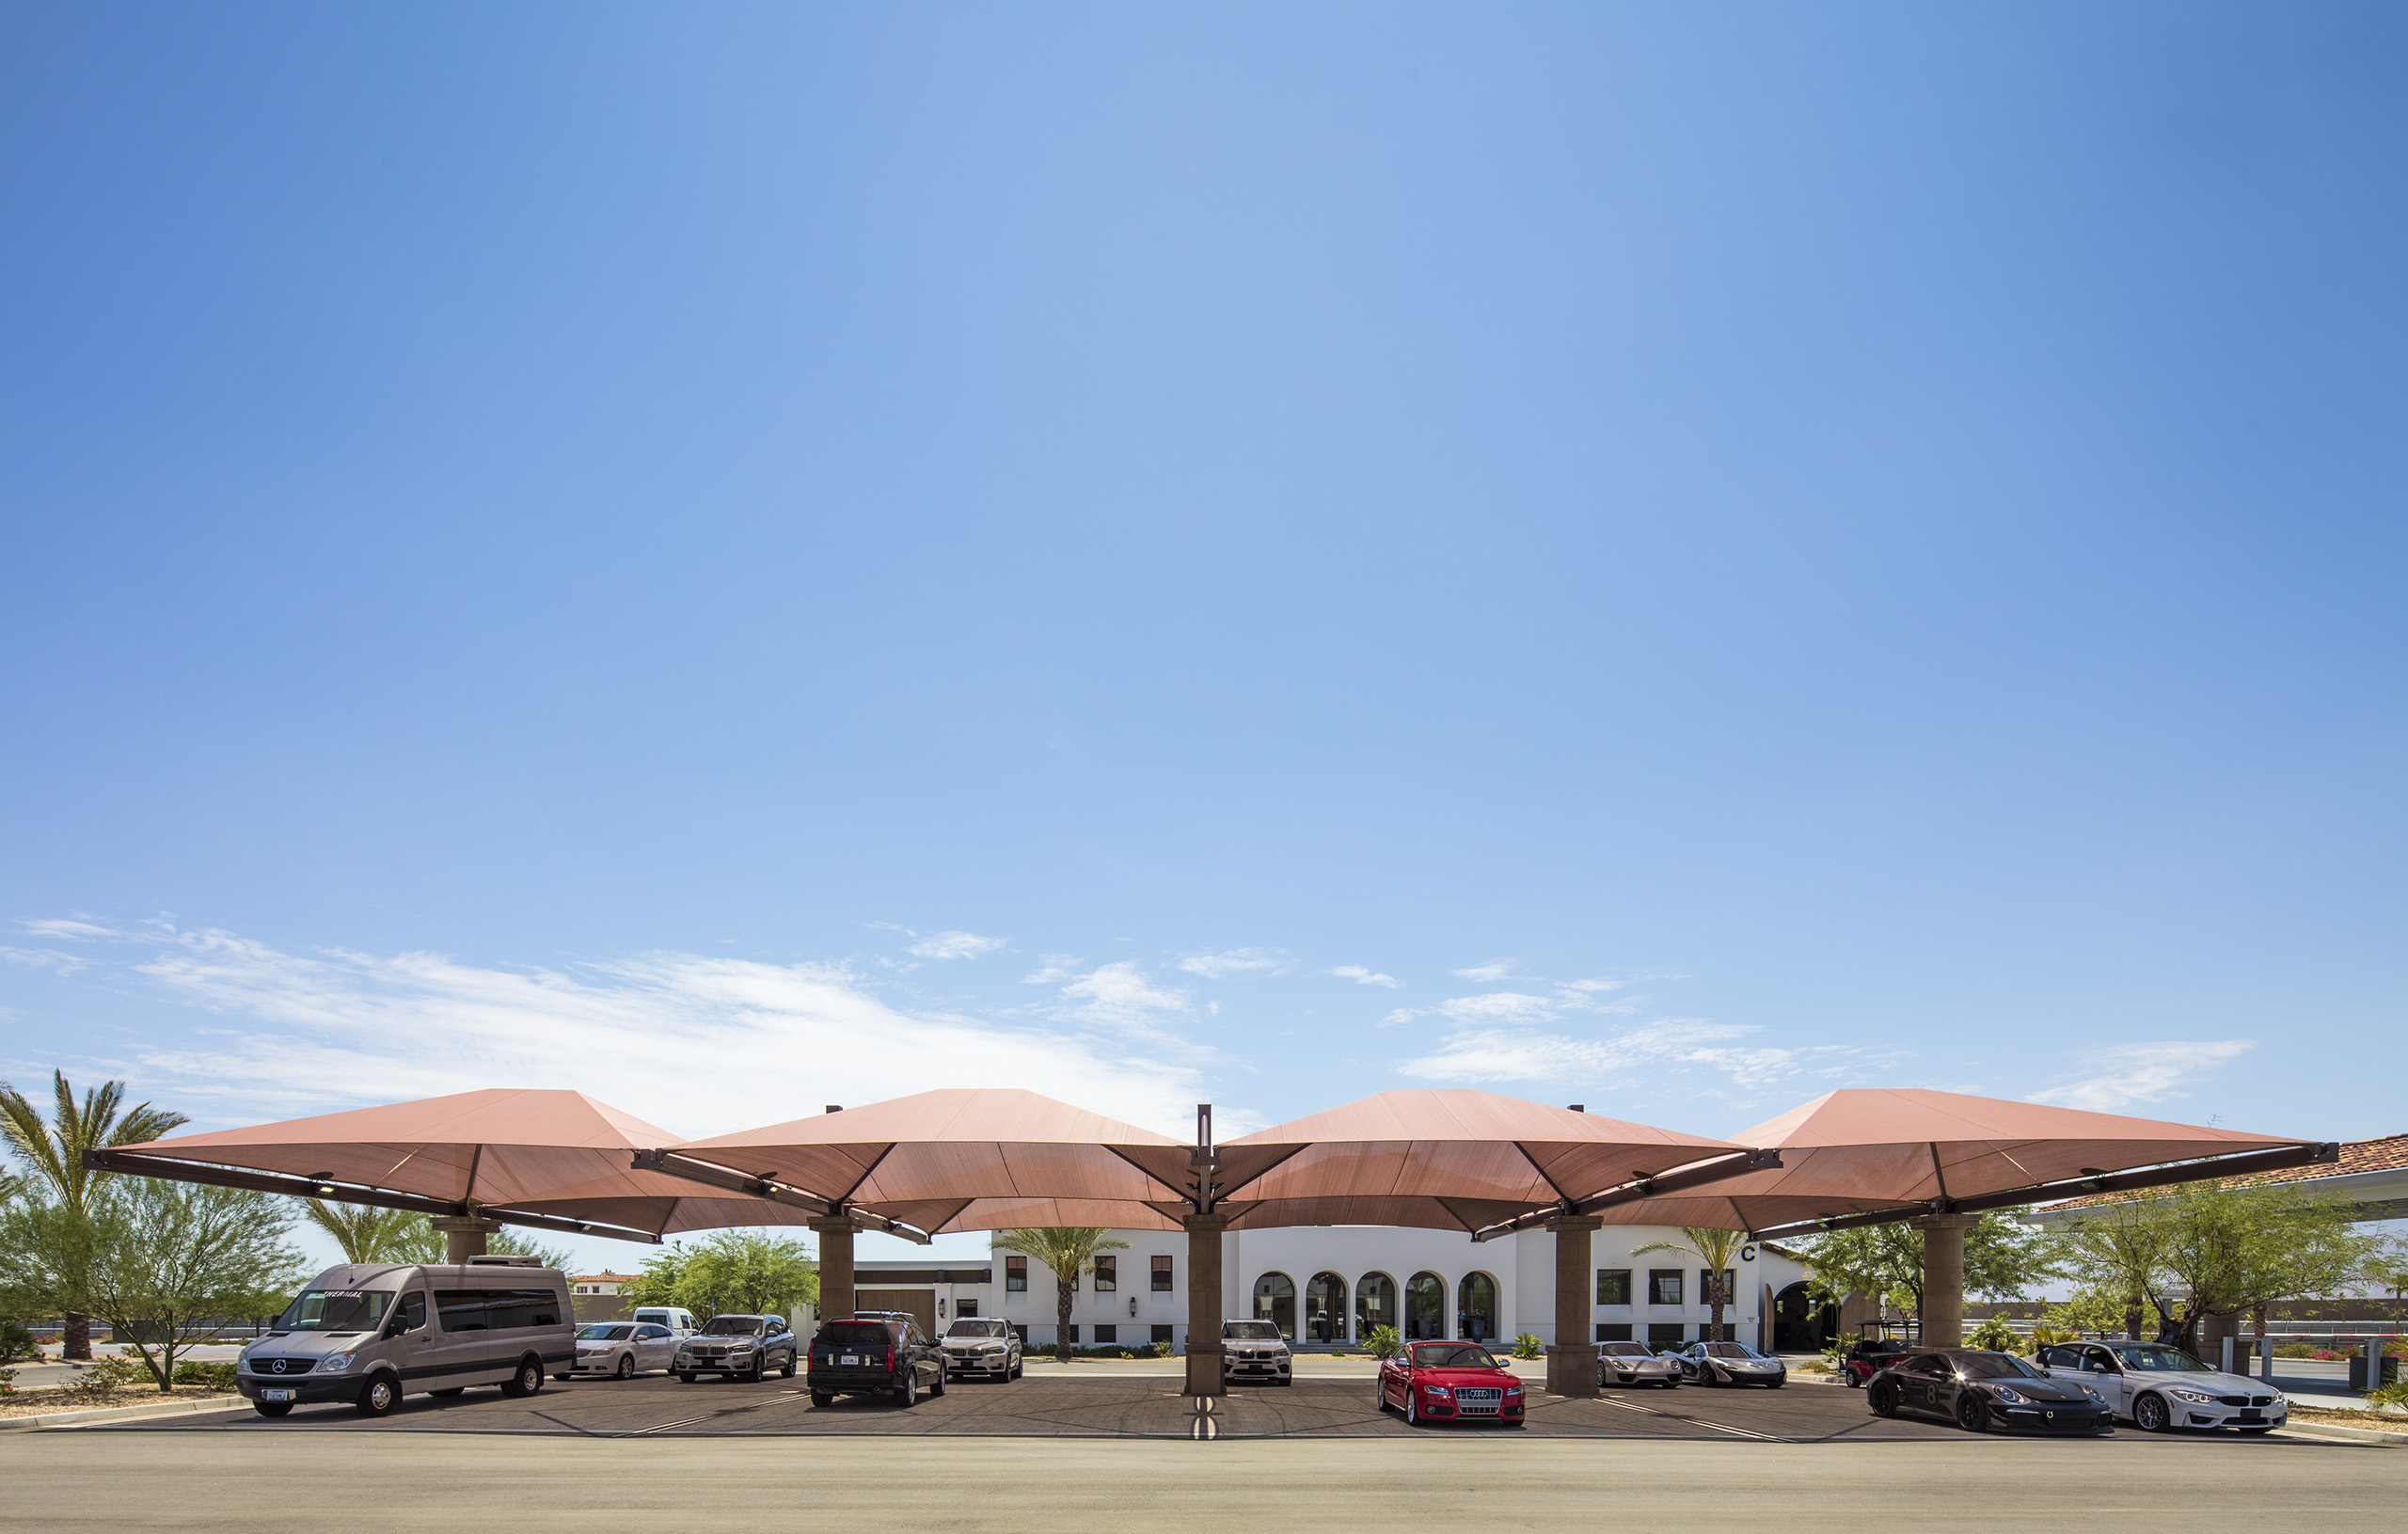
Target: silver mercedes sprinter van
(367, 1333)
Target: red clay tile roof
(2388, 1154)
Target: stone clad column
(835, 1266)
(1204, 1373)
(1944, 1278)
(464, 1235)
(1572, 1357)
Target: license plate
(2252, 1417)
(849, 1358)
(276, 1395)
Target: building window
(1613, 1286)
(1161, 1282)
(965, 1307)
(1275, 1300)
(1107, 1275)
(1107, 1334)
(1663, 1285)
(1326, 1308)
(1162, 1334)
(1664, 1334)
(1425, 1308)
(1706, 1332)
(1016, 1275)
(1706, 1286)
(1020, 1328)
(1613, 1331)
(1070, 1335)
(1374, 1304)
(1476, 1308)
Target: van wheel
(378, 1396)
(528, 1379)
(273, 1408)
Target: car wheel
(1882, 1397)
(688, 1376)
(1380, 1396)
(273, 1408)
(528, 1379)
(936, 1386)
(627, 1369)
(378, 1396)
(821, 1398)
(449, 1392)
(907, 1394)
(758, 1370)
(2150, 1416)
(1972, 1413)
(792, 1360)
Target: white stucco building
(1333, 1283)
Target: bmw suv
(740, 1347)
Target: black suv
(871, 1354)
(746, 1347)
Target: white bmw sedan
(2159, 1387)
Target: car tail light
(890, 1360)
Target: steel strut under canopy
(351, 1193)
(677, 1164)
(2100, 1183)
(1695, 1175)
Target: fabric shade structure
(1868, 1155)
(1448, 1158)
(552, 1159)
(959, 1159)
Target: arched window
(1476, 1308)
(1326, 1308)
(1425, 1308)
(1275, 1300)
(1375, 1304)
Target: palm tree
(1716, 1249)
(1069, 1251)
(369, 1235)
(53, 1154)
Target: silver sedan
(620, 1349)
(1634, 1363)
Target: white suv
(1255, 1351)
(990, 1349)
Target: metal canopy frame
(349, 1193)
(2042, 1193)
(727, 1179)
(1680, 1179)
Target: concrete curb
(2344, 1435)
(118, 1413)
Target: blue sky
(751, 557)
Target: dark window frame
(1162, 1275)
(1606, 1284)
(1015, 1276)
(1106, 1277)
(1657, 1278)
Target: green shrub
(1993, 1335)
(16, 1342)
(1382, 1341)
(7, 1382)
(1527, 1345)
(2389, 1397)
(105, 1377)
(216, 1376)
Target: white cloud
(61, 926)
(695, 1043)
(1500, 1006)
(954, 945)
(1121, 995)
(1362, 976)
(2129, 1073)
(1054, 971)
(1234, 961)
(45, 958)
(1495, 969)
(1592, 985)
(1678, 1044)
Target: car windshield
(605, 1332)
(1996, 1365)
(1251, 1331)
(1627, 1350)
(1451, 1355)
(975, 1328)
(1728, 1349)
(2156, 1358)
(336, 1310)
(733, 1326)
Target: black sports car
(1981, 1390)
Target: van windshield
(336, 1310)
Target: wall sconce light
(940, 1307)
(1133, 1305)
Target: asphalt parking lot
(1101, 1406)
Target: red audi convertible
(1450, 1382)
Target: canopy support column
(1205, 1376)
(835, 1266)
(1944, 1278)
(1571, 1358)
(464, 1235)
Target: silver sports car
(1634, 1363)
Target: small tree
(749, 1273)
(1069, 1250)
(2004, 1259)
(1719, 1250)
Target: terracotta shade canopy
(1453, 1159)
(1869, 1155)
(553, 1159)
(961, 1159)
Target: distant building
(599, 1284)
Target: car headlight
(2094, 1395)
(2200, 1396)
(1513, 1390)
(334, 1363)
(2010, 1396)
(1438, 1390)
